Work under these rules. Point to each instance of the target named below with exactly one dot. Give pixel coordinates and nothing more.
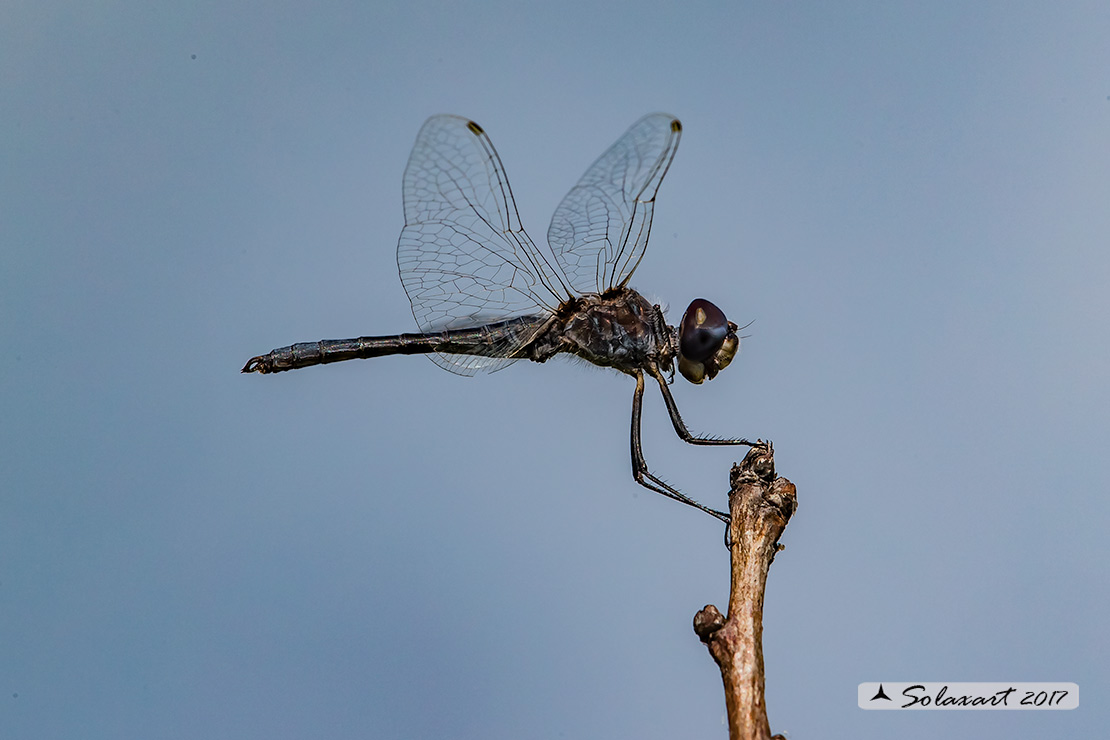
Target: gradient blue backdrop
(910, 200)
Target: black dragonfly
(484, 295)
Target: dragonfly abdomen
(499, 339)
(306, 354)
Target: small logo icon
(880, 694)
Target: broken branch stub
(760, 505)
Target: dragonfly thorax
(619, 329)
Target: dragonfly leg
(639, 465)
(680, 426)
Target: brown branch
(760, 505)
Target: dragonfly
(484, 295)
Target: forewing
(463, 256)
(600, 230)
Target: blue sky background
(910, 200)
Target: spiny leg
(639, 465)
(680, 426)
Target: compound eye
(702, 331)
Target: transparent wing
(600, 230)
(463, 256)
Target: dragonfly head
(707, 341)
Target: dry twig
(760, 506)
